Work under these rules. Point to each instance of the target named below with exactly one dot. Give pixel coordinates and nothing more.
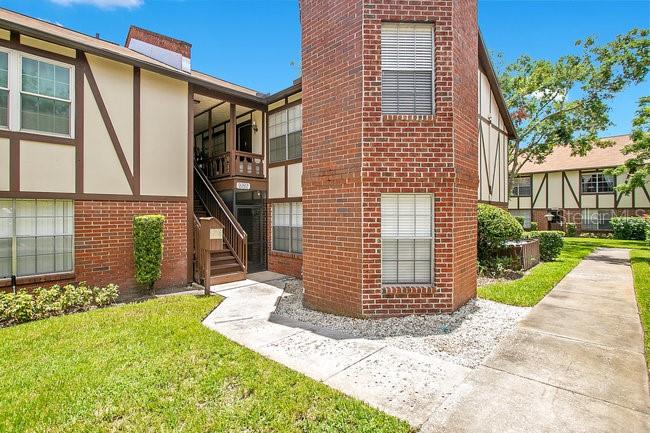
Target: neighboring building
(574, 189)
(362, 177)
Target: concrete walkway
(575, 363)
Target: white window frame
(430, 238)
(8, 89)
(528, 217)
(15, 91)
(600, 179)
(415, 69)
(517, 187)
(591, 212)
(290, 226)
(15, 237)
(284, 112)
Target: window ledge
(407, 289)
(285, 254)
(408, 117)
(37, 279)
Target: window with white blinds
(287, 227)
(406, 238)
(407, 68)
(285, 134)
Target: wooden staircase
(226, 265)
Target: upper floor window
(521, 187)
(285, 134)
(4, 89)
(36, 94)
(598, 182)
(407, 68)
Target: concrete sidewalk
(575, 364)
(404, 384)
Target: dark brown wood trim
(286, 106)
(224, 124)
(79, 117)
(285, 162)
(36, 279)
(645, 191)
(14, 164)
(207, 110)
(94, 88)
(41, 138)
(14, 44)
(136, 130)
(91, 197)
(492, 125)
(215, 94)
(497, 154)
(546, 188)
(485, 161)
(573, 193)
(532, 205)
(285, 200)
(190, 183)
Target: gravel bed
(465, 337)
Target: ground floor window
(597, 219)
(406, 238)
(36, 237)
(523, 213)
(287, 227)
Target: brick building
(362, 177)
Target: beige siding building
(574, 189)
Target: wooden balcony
(233, 164)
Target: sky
(256, 43)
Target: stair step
(227, 278)
(223, 259)
(224, 269)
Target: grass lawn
(530, 289)
(152, 367)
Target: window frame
(598, 228)
(529, 215)
(284, 110)
(290, 227)
(430, 238)
(15, 82)
(8, 88)
(518, 187)
(15, 237)
(598, 174)
(398, 69)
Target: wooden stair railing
(234, 236)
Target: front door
(251, 218)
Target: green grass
(641, 269)
(152, 367)
(530, 289)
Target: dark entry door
(252, 221)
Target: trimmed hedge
(647, 230)
(533, 226)
(571, 230)
(629, 228)
(520, 220)
(148, 248)
(550, 243)
(53, 301)
(495, 227)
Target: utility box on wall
(211, 234)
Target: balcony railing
(231, 164)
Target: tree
(565, 102)
(638, 166)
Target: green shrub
(629, 228)
(495, 227)
(647, 230)
(53, 301)
(571, 230)
(148, 248)
(533, 226)
(520, 220)
(550, 243)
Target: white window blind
(285, 134)
(407, 68)
(287, 227)
(406, 238)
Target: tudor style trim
(136, 130)
(108, 123)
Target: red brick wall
(104, 244)
(352, 154)
(331, 157)
(277, 261)
(181, 47)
